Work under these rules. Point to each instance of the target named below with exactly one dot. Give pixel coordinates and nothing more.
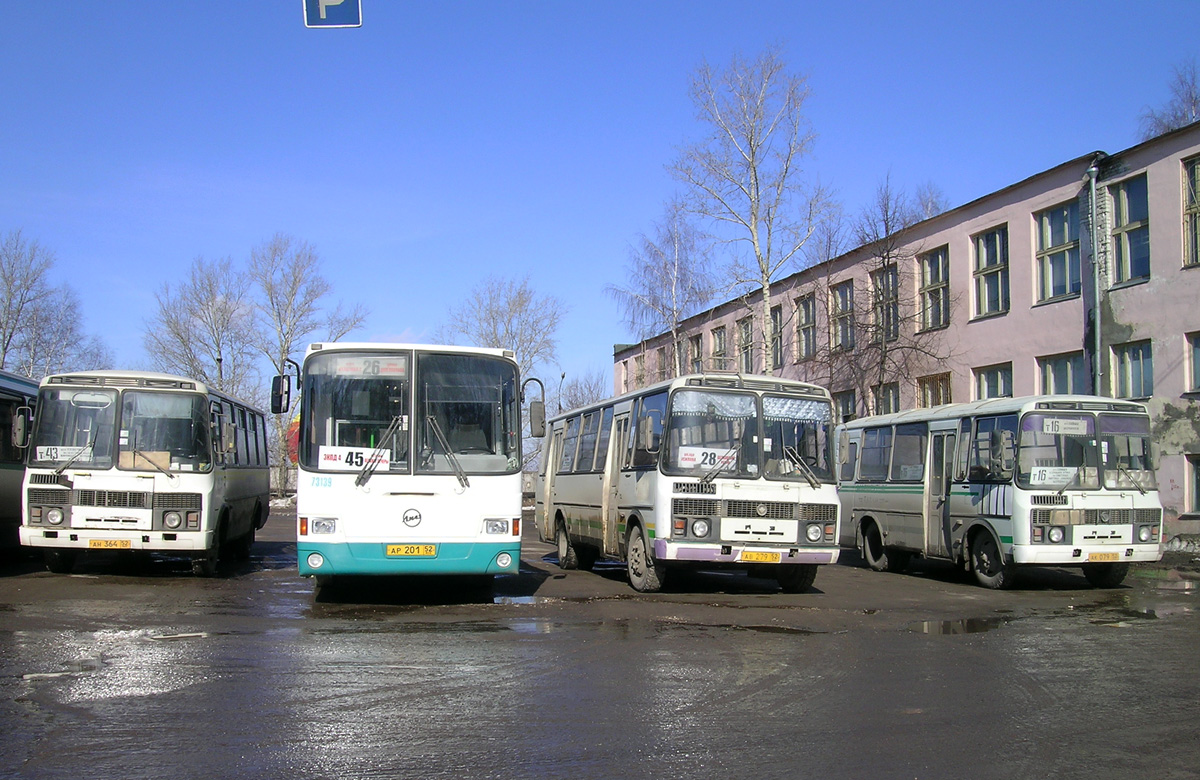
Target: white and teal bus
(409, 460)
(134, 460)
(703, 471)
(16, 392)
(998, 484)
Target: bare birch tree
(669, 280)
(1182, 108)
(290, 294)
(745, 176)
(205, 328)
(24, 283)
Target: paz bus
(16, 392)
(135, 460)
(705, 471)
(998, 484)
(409, 459)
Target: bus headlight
(1144, 534)
(316, 560)
(54, 516)
(172, 520)
(504, 560)
(700, 528)
(322, 525)
(495, 526)
(814, 533)
(1056, 535)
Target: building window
(1193, 342)
(776, 337)
(1058, 251)
(1135, 370)
(746, 345)
(887, 397)
(719, 356)
(935, 289)
(993, 382)
(991, 272)
(625, 376)
(696, 353)
(664, 370)
(846, 404)
(934, 390)
(1191, 212)
(1131, 230)
(885, 296)
(1063, 374)
(843, 316)
(639, 370)
(1193, 466)
(806, 326)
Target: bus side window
(908, 453)
(847, 474)
(963, 449)
(876, 454)
(993, 449)
(602, 441)
(569, 443)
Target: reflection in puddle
(964, 626)
(517, 600)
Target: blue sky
(443, 142)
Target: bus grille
(695, 507)
(177, 501)
(60, 497)
(818, 513)
(43, 479)
(1097, 516)
(695, 488)
(768, 510)
(1048, 500)
(116, 499)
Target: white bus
(134, 460)
(993, 485)
(16, 392)
(707, 471)
(410, 459)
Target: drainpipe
(1097, 363)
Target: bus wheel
(645, 575)
(796, 578)
(239, 548)
(878, 556)
(567, 558)
(60, 561)
(988, 564)
(586, 557)
(206, 564)
(1105, 575)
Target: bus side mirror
(228, 432)
(537, 419)
(647, 440)
(281, 394)
(844, 447)
(20, 430)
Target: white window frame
(1133, 369)
(720, 356)
(1058, 271)
(806, 326)
(933, 390)
(842, 321)
(886, 397)
(991, 271)
(1071, 368)
(885, 297)
(935, 289)
(745, 334)
(993, 381)
(1191, 212)
(1127, 232)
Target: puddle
(518, 600)
(1178, 586)
(963, 626)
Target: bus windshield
(468, 415)
(164, 431)
(711, 432)
(1125, 447)
(1057, 451)
(798, 438)
(74, 428)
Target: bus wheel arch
(646, 574)
(567, 557)
(879, 556)
(987, 559)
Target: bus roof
(716, 381)
(15, 383)
(1001, 406)
(148, 380)
(327, 346)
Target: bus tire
(586, 557)
(59, 561)
(567, 558)
(1105, 575)
(988, 562)
(645, 574)
(205, 565)
(880, 557)
(796, 577)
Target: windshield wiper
(58, 471)
(791, 454)
(1126, 472)
(717, 469)
(459, 471)
(368, 469)
(1070, 481)
(139, 454)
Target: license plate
(110, 544)
(760, 557)
(411, 550)
(1103, 557)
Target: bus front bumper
(326, 559)
(732, 553)
(100, 539)
(1068, 555)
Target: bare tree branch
(1181, 109)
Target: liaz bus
(998, 484)
(16, 392)
(410, 460)
(704, 471)
(134, 460)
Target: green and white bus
(16, 392)
(703, 471)
(998, 484)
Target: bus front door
(612, 468)
(937, 495)
(545, 517)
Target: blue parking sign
(333, 13)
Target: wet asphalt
(134, 668)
